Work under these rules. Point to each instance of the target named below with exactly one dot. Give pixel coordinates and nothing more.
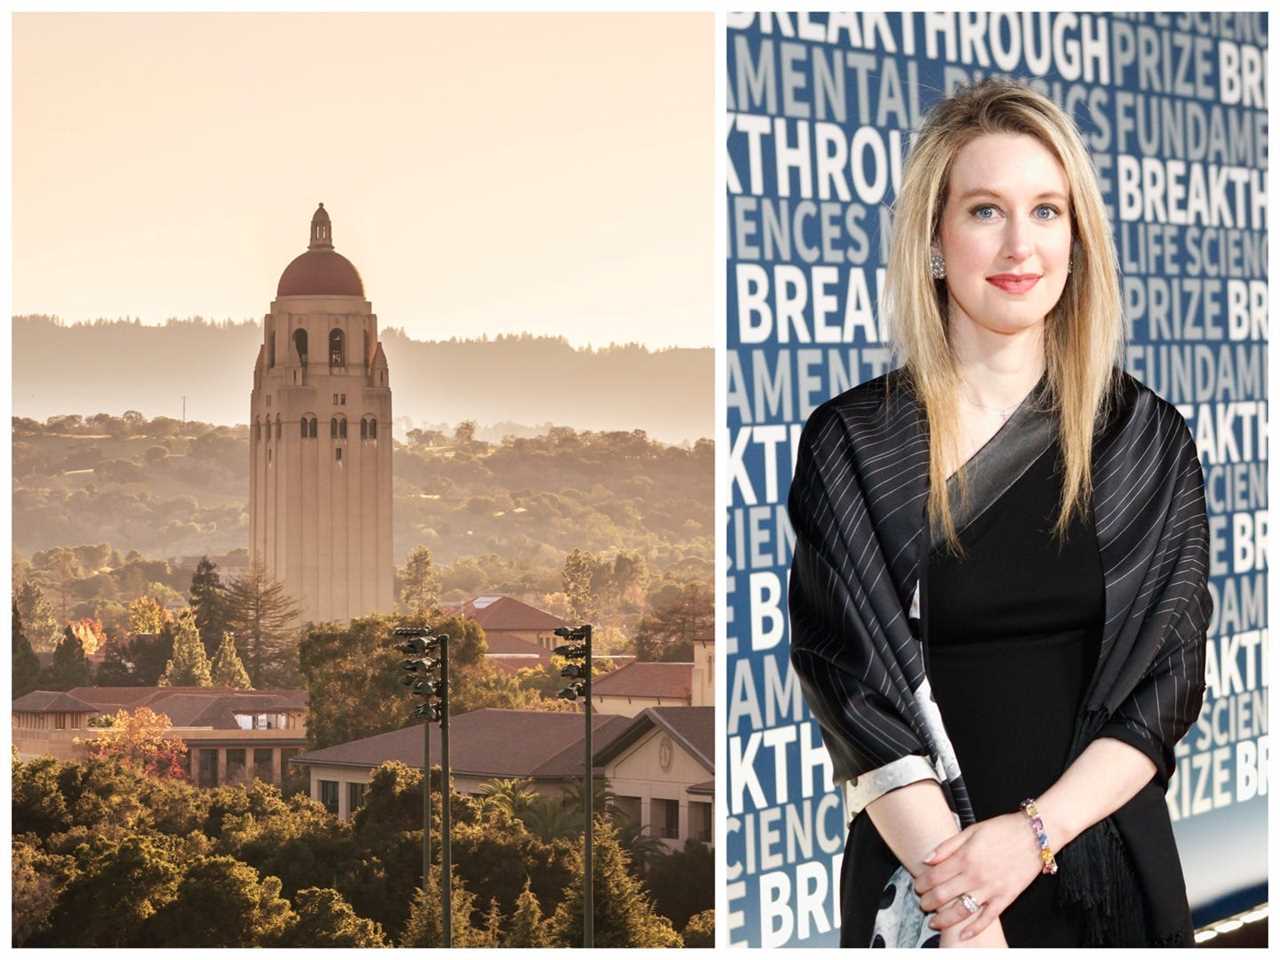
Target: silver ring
(969, 903)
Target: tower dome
(321, 271)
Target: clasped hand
(993, 861)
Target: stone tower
(320, 453)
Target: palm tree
(641, 845)
(550, 819)
(513, 794)
(603, 800)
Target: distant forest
(118, 365)
(496, 516)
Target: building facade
(320, 456)
(658, 764)
(232, 736)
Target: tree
(263, 616)
(140, 740)
(224, 903)
(149, 654)
(628, 577)
(325, 919)
(683, 882)
(26, 665)
(420, 585)
(528, 929)
(39, 880)
(90, 633)
(577, 576)
(228, 671)
(425, 927)
(70, 667)
(491, 934)
(512, 794)
(676, 617)
(116, 669)
(189, 666)
(146, 615)
(700, 931)
(119, 889)
(464, 434)
(41, 625)
(208, 600)
(352, 676)
(623, 911)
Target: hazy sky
(490, 173)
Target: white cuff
(861, 790)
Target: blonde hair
(1084, 332)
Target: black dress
(1012, 638)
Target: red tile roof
(485, 743)
(187, 706)
(647, 679)
(507, 613)
(52, 701)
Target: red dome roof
(320, 273)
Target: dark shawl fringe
(1096, 883)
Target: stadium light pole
(421, 645)
(579, 672)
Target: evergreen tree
(189, 666)
(115, 670)
(528, 929)
(208, 600)
(26, 665)
(150, 653)
(491, 935)
(425, 926)
(419, 585)
(577, 577)
(263, 618)
(624, 914)
(42, 628)
(676, 617)
(228, 671)
(700, 931)
(70, 667)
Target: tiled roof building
(659, 764)
(231, 735)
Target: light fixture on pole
(426, 674)
(578, 652)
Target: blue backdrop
(821, 109)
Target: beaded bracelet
(1046, 855)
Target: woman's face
(1005, 232)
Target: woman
(999, 591)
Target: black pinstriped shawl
(857, 505)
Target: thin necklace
(1005, 412)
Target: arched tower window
(364, 428)
(300, 341)
(342, 428)
(271, 347)
(337, 349)
(302, 427)
(312, 424)
(333, 428)
(279, 427)
(373, 428)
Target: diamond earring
(937, 267)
